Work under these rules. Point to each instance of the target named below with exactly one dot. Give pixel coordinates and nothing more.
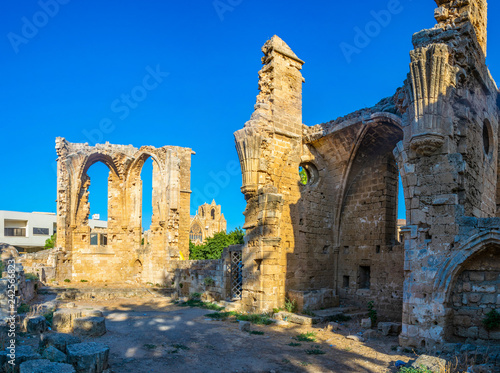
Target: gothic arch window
(212, 213)
(202, 212)
(195, 234)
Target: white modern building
(28, 231)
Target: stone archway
(474, 293)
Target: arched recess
(471, 288)
(82, 207)
(378, 138)
(366, 221)
(134, 192)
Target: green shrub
(2, 267)
(290, 305)
(67, 280)
(31, 276)
(49, 316)
(23, 308)
(492, 320)
(82, 280)
(195, 296)
(209, 281)
(213, 247)
(50, 242)
(372, 313)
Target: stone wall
(475, 293)
(206, 277)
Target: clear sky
(68, 65)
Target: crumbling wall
(448, 161)
(206, 277)
(114, 260)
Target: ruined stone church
(337, 233)
(332, 235)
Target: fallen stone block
(244, 326)
(483, 368)
(333, 326)
(88, 357)
(63, 319)
(356, 338)
(389, 328)
(45, 366)
(54, 355)
(35, 324)
(25, 353)
(371, 334)
(433, 363)
(58, 340)
(90, 326)
(366, 323)
(297, 319)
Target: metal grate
(236, 274)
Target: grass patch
(415, 370)
(82, 280)
(295, 344)
(253, 318)
(306, 337)
(256, 332)
(149, 346)
(315, 351)
(23, 308)
(180, 346)
(200, 304)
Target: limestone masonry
(117, 253)
(338, 232)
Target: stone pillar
(269, 148)
(447, 162)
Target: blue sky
(66, 68)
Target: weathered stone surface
(297, 319)
(366, 323)
(45, 366)
(54, 355)
(333, 326)
(89, 326)
(370, 334)
(88, 357)
(434, 364)
(35, 324)
(63, 319)
(389, 328)
(244, 326)
(59, 340)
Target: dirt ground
(152, 335)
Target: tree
(213, 247)
(50, 242)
